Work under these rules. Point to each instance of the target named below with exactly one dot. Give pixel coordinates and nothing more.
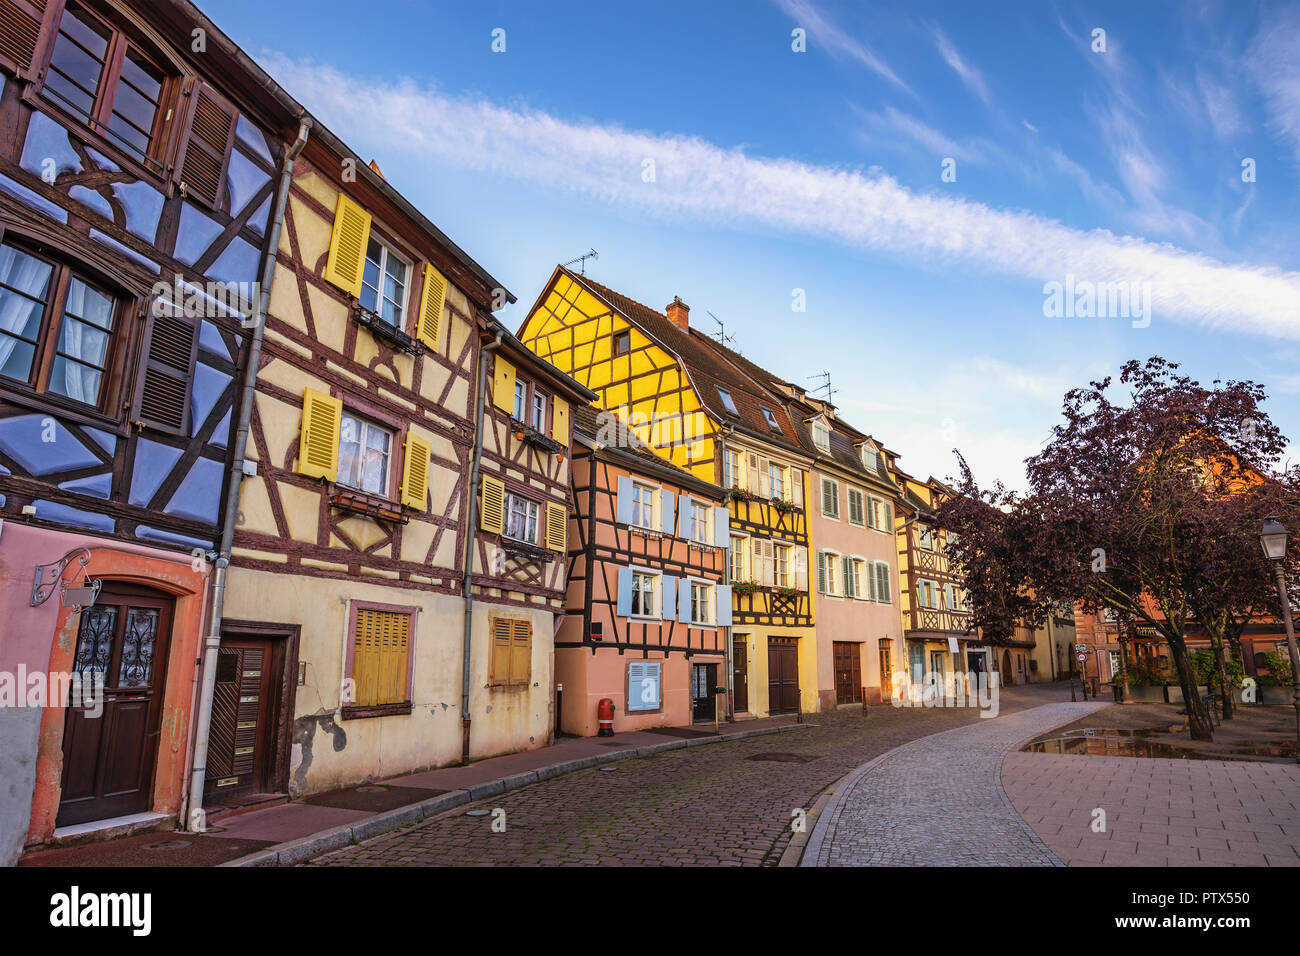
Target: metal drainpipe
(470, 539)
(729, 663)
(198, 768)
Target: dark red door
(740, 675)
(782, 675)
(108, 758)
(242, 737)
(848, 673)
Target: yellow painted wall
(756, 639)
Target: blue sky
(777, 170)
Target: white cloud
(1275, 63)
(971, 76)
(720, 185)
(837, 41)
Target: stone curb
(326, 841)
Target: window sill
(535, 437)
(534, 552)
(358, 711)
(367, 505)
(381, 328)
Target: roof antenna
(825, 386)
(593, 254)
(721, 335)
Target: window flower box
(381, 328)
(369, 506)
(536, 438)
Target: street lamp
(1273, 539)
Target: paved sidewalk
(1158, 812)
(938, 802)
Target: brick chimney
(679, 313)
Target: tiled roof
(708, 370)
(586, 420)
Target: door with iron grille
(109, 756)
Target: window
(830, 498)
(776, 480)
(622, 343)
(701, 602)
(364, 452)
(100, 77)
(521, 401)
(732, 470)
(521, 519)
(821, 437)
(828, 573)
(927, 537)
(700, 527)
(871, 458)
(643, 505)
(383, 282)
(862, 580)
(643, 594)
(929, 593)
(740, 569)
(727, 401)
(781, 565)
(770, 418)
(538, 420)
(511, 664)
(855, 507)
(71, 357)
(381, 656)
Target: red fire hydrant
(605, 716)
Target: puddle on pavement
(1134, 743)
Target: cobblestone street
(722, 805)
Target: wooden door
(740, 675)
(848, 673)
(886, 669)
(704, 684)
(108, 759)
(241, 741)
(782, 675)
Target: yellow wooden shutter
(351, 235)
(503, 384)
(560, 420)
(499, 662)
(415, 472)
(381, 648)
(557, 520)
(318, 441)
(492, 505)
(521, 652)
(428, 325)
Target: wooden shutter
(20, 34)
(751, 473)
(764, 478)
(503, 384)
(492, 505)
(172, 342)
(428, 324)
(560, 420)
(623, 597)
(821, 572)
(415, 472)
(872, 575)
(381, 651)
(347, 258)
(557, 519)
(499, 662)
(205, 150)
(800, 569)
(796, 487)
(318, 439)
(521, 652)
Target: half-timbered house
(648, 611)
(697, 410)
(137, 172)
(400, 436)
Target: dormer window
(871, 458)
(727, 401)
(821, 437)
(771, 419)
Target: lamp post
(1273, 538)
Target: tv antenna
(825, 386)
(582, 260)
(721, 335)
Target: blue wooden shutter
(684, 600)
(669, 505)
(668, 598)
(624, 592)
(721, 528)
(624, 509)
(724, 605)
